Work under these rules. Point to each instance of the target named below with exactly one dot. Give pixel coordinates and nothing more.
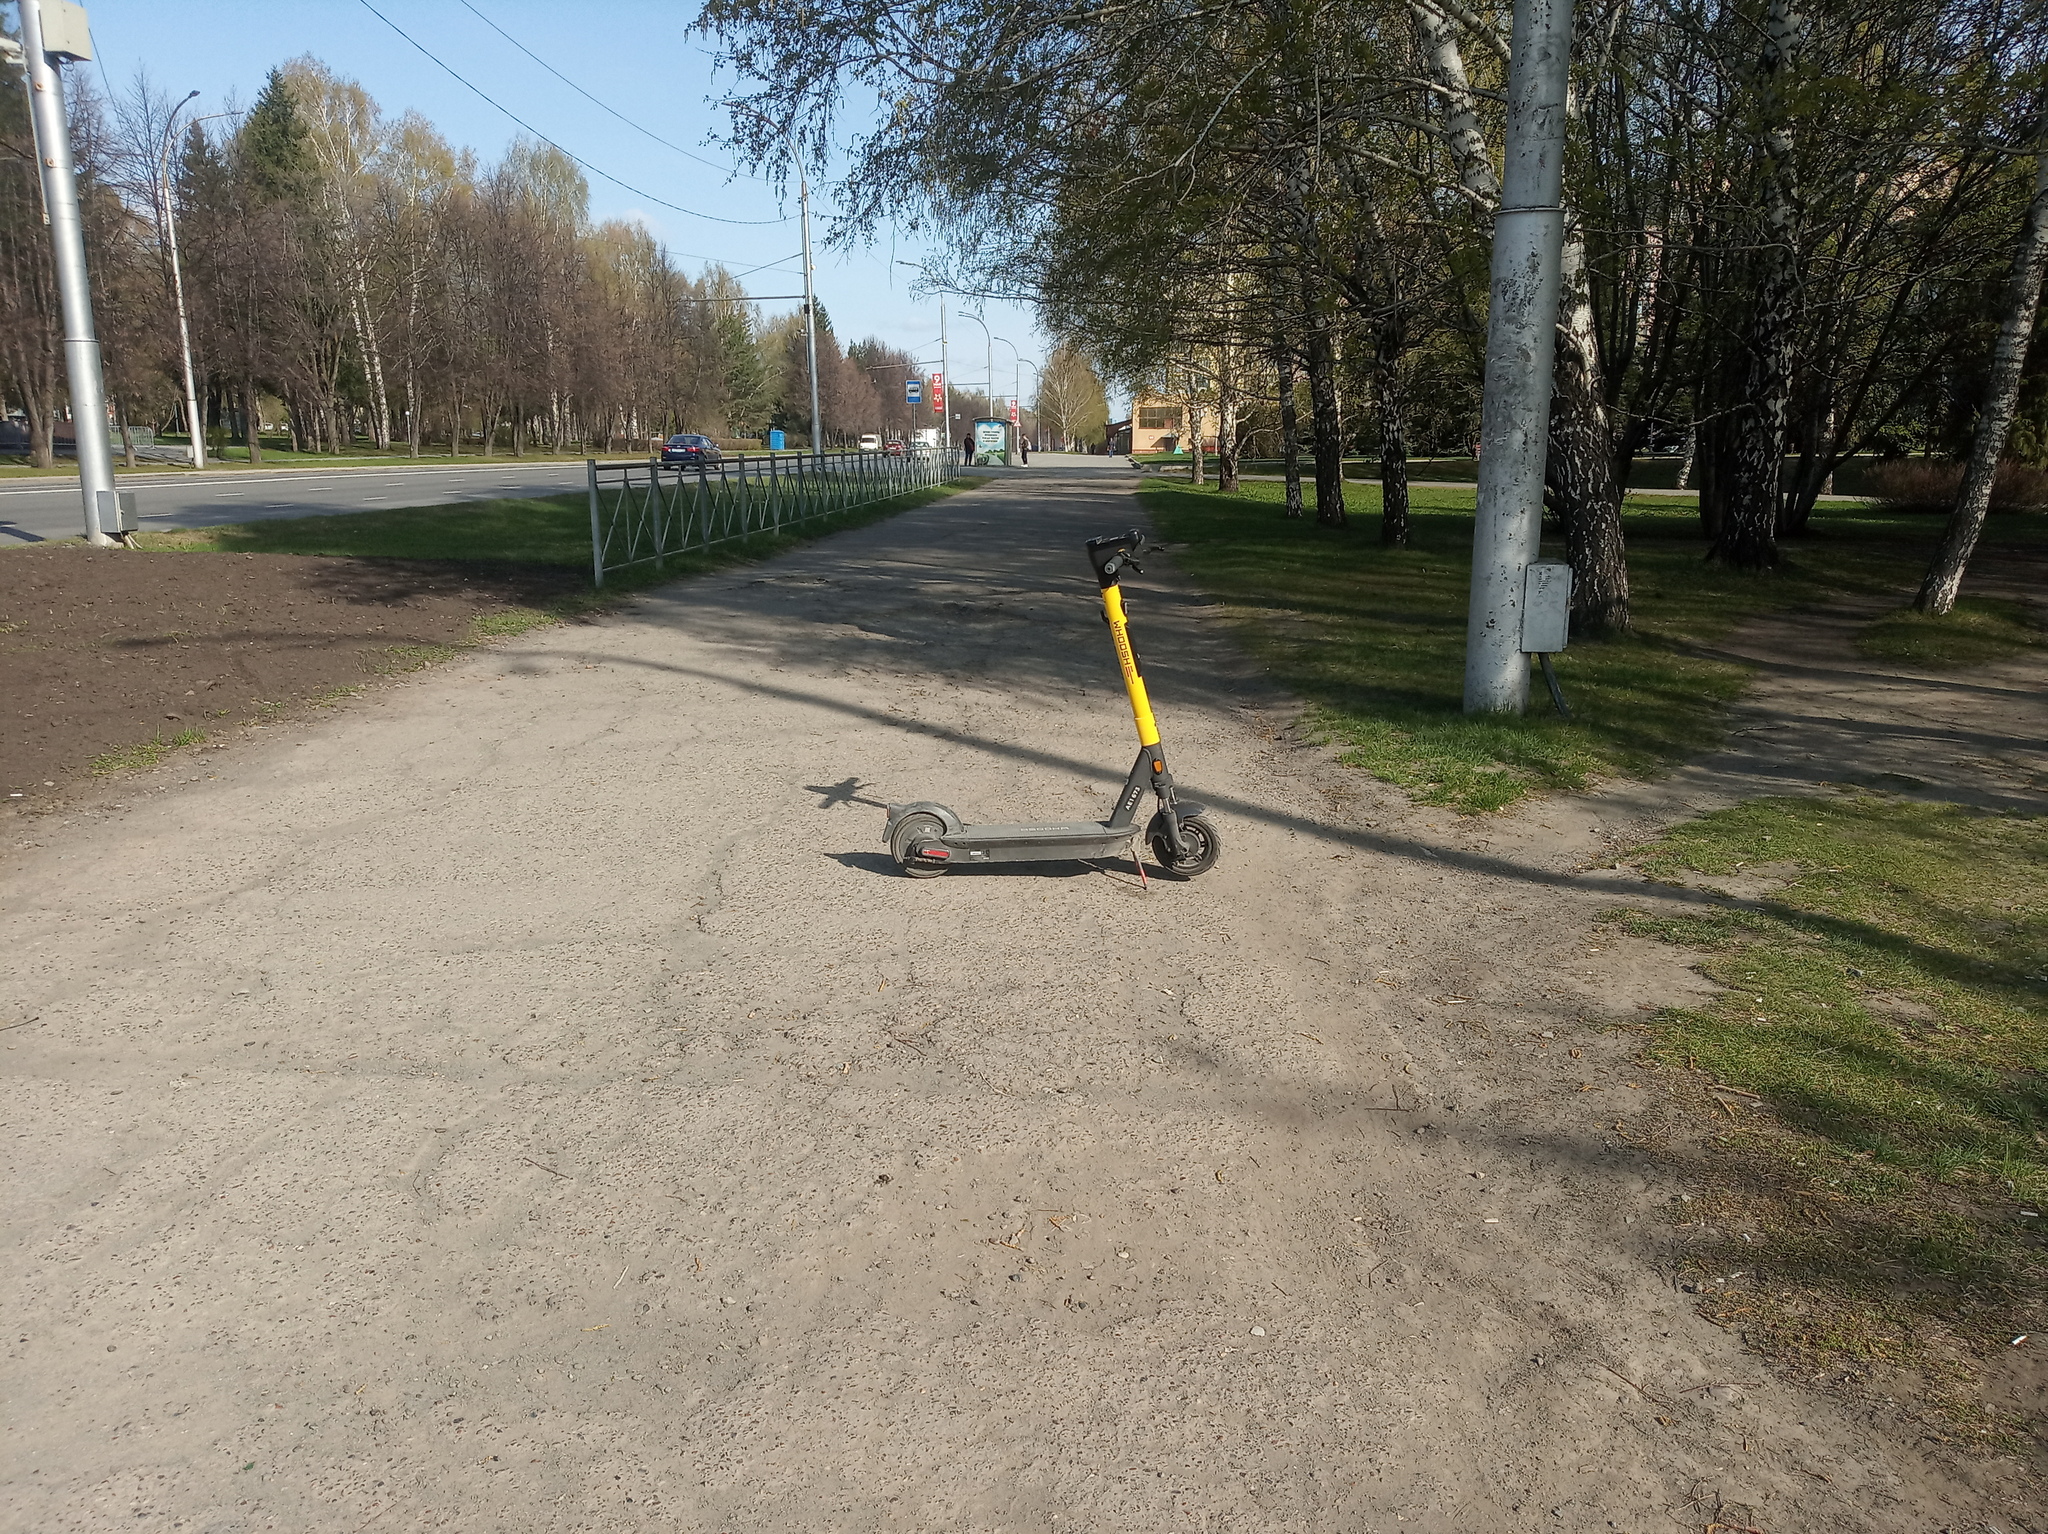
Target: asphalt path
(32, 511)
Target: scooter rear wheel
(1198, 836)
(911, 830)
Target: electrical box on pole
(1546, 607)
(66, 31)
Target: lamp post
(1521, 327)
(803, 192)
(193, 422)
(1018, 379)
(945, 369)
(87, 384)
(991, 357)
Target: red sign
(938, 394)
(1013, 412)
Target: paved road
(529, 1093)
(33, 510)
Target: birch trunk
(1326, 424)
(1749, 536)
(373, 353)
(2008, 362)
(1579, 465)
(1290, 426)
(1226, 421)
(1386, 372)
(1461, 131)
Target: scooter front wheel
(911, 830)
(1201, 846)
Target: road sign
(938, 394)
(913, 391)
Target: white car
(870, 443)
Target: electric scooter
(927, 839)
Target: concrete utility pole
(943, 403)
(803, 193)
(990, 398)
(810, 304)
(65, 37)
(1521, 332)
(192, 416)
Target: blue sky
(637, 57)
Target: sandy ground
(529, 1100)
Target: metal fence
(647, 513)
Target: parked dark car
(691, 451)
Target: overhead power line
(529, 127)
(688, 154)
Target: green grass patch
(1374, 639)
(509, 622)
(551, 530)
(403, 659)
(1978, 630)
(1890, 1007)
(543, 530)
(148, 753)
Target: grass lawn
(1889, 1005)
(1980, 629)
(546, 530)
(1646, 473)
(1373, 639)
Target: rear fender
(947, 819)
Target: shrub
(1928, 485)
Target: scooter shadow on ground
(882, 863)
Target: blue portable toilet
(775, 441)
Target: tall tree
(2009, 359)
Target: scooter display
(927, 839)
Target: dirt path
(530, 1102)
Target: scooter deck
(1045, 841)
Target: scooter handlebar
(1112, 555)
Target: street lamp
(193, 423)
(945, 367)
(68, 38)
(803, 186)
(991, 358)
(1022, 364)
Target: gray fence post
(658, 511)
(596, 534)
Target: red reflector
(935, 852)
